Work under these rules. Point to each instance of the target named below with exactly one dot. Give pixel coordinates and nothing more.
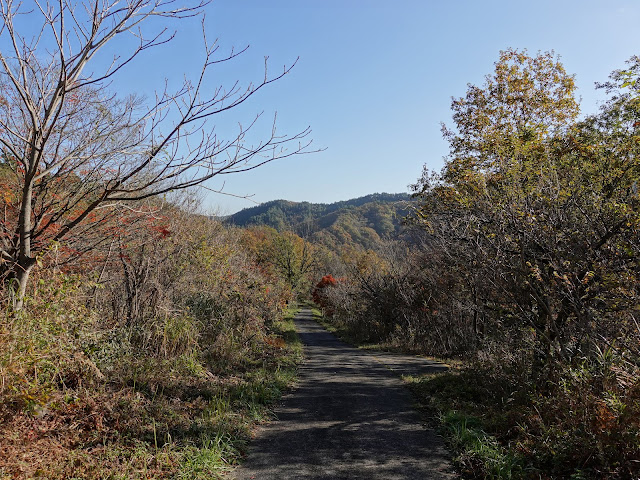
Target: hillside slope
(361, 221)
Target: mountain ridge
(363, 221)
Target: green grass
(242, 406)
(477, 450)
(465, 416)
(287, 331)
(210, 460)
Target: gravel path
(350, 417)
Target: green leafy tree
(525, 100)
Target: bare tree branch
(70, 148)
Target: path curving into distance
(350, 417)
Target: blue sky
(375, 78)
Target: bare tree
(71, 150)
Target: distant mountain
(361, 221)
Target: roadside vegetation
(157, 363)
(522, 263)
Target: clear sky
(375, 78)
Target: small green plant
(478, 452)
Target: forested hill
(362, 221)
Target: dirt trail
(350, 417)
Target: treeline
(526, 267)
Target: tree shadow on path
(349, 418)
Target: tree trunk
(22, 278)
(25, 261)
